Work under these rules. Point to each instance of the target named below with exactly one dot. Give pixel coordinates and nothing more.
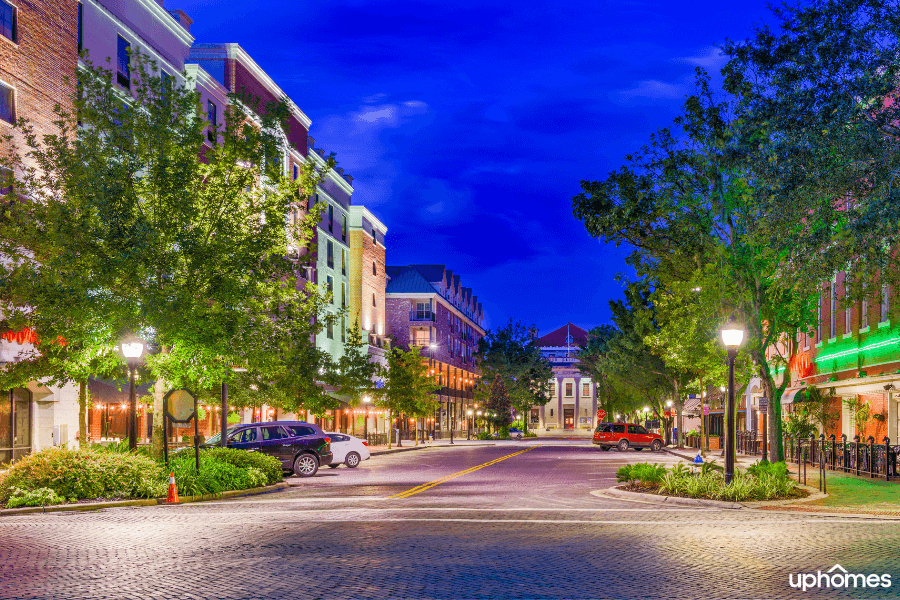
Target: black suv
(300, 446)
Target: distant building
(573, 403)
(428, 307)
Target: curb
(658, 499)
(9, 512)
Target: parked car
(300, 446)
(626, 435)
(347, 450)
(513, 433)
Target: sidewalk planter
(714, 442)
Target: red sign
(705, 409)
(601, 413)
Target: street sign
(705, 409)
(763, 403)
(601, 414)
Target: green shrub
(504, 432)
(530, 434)
(215, 475)
(643, 472)
(768, 482)
(39, 497)
(269, 465)
(484, 435)
(86, 473)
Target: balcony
(421, 316)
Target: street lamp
(132, 348)
(469, 412)
(366, 400)
(223, 422)
(732, 336)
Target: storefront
(15, 424)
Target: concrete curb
(658, 499)
(9, 512)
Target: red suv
(625, 435)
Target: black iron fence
(747, 442)
(859, 457)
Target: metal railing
(747, 442)
(857, 456)
(413, 316)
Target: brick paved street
(525, 526)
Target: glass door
(21, 410)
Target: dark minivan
(300, 446)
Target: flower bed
(762, 481)
(62, 475)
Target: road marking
(427, 486)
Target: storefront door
(15, 424)
(569, 414)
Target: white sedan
(347, 450)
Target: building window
(80, 26)
(8, 20)
(885, 302)
(212, 115)
(374, 268)
(7, 104)
(569, 390)
(833, 316)
(551, 412)
(569, 339)
(331, 218)
(847, 324)
(329, 330)
(330, 254)
(329, 285)
(343, 262)
(864, 314)
(296, 172)
(343, 295)
(344, 230)
(343, 330)
(553, 389)
(123, 62)
(421, 337)
(6, 181)
(423, 311)
(819, 321)
(585, 389)
(374, 303)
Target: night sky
(468, 126)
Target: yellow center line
(431, 484)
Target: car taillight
(327, 440)
(365, 443)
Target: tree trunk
(83, 433)
(159, 433)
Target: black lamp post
(132, 349)
(732, 336)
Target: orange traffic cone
(173, 490)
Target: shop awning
(789, 394)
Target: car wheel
(306, 465)
(656, 446)
(333, 466)
(518, 436)
(622, 445)
(352, 460)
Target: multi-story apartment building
(854, 349)
(427, 307)
(573, 403)
(368, 278)
(38, 41)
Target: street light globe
(732, 335)
(366, 399)
(132, 347)
(469, 412)
(646, 409)
(618, 416)
(669, 403)
(479, 413)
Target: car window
(639, 429)
(244, 436)
(337, 437)
(633, 429)
(301, 430)
(273, 432)
(618, 428)
(604, 428)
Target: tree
(129, 218)
(510, 353)
(818, 403)
(354, 373)
(498, 404)
(685, 202)
(408, 388)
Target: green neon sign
(859, 350)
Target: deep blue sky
(469, 125)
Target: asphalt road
(513, 520)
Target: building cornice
(168, 21)
(423, 295)
(236, 52)
(365, 212)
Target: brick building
(427, 307)
(573, 403)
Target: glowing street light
(132, 349)
(732, 336)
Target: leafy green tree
(354, 374)
(685, 201)
(408, 388)
(498, 404)
(129, 217)
(510, 353)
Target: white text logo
(838, 577)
